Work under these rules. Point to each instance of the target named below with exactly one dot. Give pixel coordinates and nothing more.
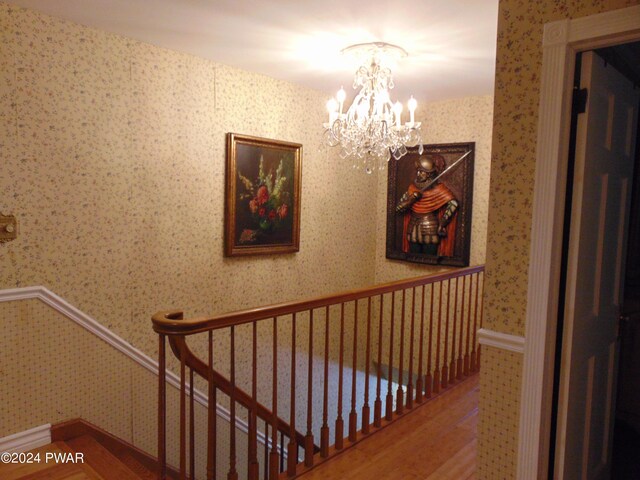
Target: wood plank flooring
(435, 442)
(97, 464)
(100, 459)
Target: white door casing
(561, 40)
(603, 175)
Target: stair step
(101, 460)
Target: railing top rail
(173, 323)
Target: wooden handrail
(172, 322)
(180, 349)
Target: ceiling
(451, 43)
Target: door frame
(562, 40)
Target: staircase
(301, 388)
(305, 381)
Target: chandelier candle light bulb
(397, 109)
(371, 130)
(341, 96)
(332, 107)
(412, 104)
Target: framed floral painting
(262, 204)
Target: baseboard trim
(27, 440)
(88, 323)
(504, 341)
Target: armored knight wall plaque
(429, 204)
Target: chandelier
(371, 130)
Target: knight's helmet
(432, 164)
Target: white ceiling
(451, 43)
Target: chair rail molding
(562, 39)
(88, 323)
(503, 341)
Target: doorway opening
(626, 434)
(562, 39)
(623, 459)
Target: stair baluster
(444, 373)
(266, 449)
(428, 380)
(467, 365)
(365, 408)
(162, 409)
(459, 366)
(479, 325)
(389, 409)
(273, 457)
(452, 366)
(212, 416)
(419, 382)
(324, 430)
(339, 438)
(192, 429)
(254, 466)
(292, 448)
(183, 423)
(474, 354)
(377, 405)
(233, 473)
(411, 340)
(400, 391)
(436, 371)
(308, 440)
(353, 415)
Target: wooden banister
(445, 308)
(172, 322)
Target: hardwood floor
(96, 463)
(49, 470)
(435, 442)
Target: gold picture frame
(262, 196)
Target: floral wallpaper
(112, 158)
(113, 161)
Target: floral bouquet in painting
(268, 202)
